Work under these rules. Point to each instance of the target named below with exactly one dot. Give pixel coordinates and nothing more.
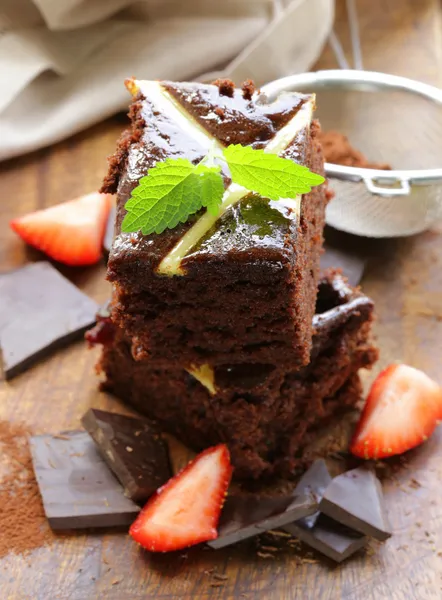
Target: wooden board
(405, 279)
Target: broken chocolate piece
(320, 532)
(40, 310)
(328, 537)
(355, 499)
(132, 449)
(244, 517)
(77, 488)
(314, 482)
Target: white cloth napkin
(63, 62)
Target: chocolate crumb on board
(281, 534)
(414, 483)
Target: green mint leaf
(212, 187)
(169, 194)
(268, 174)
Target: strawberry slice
(71, 232)
(186, 510)
(402, 410)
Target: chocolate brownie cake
(238, 288)
(267, 415)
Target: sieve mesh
(389, 124)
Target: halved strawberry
(402, 410)
(186, 510)
(71, 232)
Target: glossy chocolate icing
(230, 120)
(236, 119)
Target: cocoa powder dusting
(23, 523)
(338, 150)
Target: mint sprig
(171, 192)
(268, 174)
(175, 188)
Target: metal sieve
(392, 120)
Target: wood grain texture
(405, 279)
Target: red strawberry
(71, 232)
(186, 510)
(402, 410)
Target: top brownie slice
(237, 288)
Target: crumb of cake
(220, 112)
(226, 87)
(248, 89)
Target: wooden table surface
(405, 279)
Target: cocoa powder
(338, 150)
(23, 524)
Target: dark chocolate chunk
(352, 264)
(77, 488)
(328, 537)
(318, 531)
(40, 310)
(109, 233)
(133, 450)
(244, 517)
(355, 499)
(314, 482)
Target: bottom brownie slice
(266, 419)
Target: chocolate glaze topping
(231, 119)
(244, 122)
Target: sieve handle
(372, 187)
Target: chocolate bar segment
(314, 482)
(133, 449)
(318, 531)
(245, 517)
(40, 310)
(328, 537)
(355, 499)
(77, 488)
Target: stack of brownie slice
(222, 328)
